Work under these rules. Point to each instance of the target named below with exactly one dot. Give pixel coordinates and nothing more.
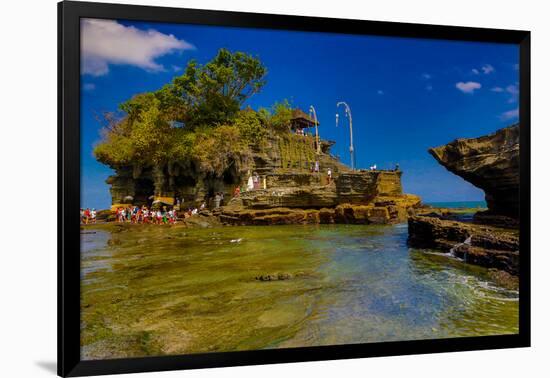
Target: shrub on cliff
(216, 149)
(251, 128)
(277, 118)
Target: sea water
(153, 290)
(460, 204)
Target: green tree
(251, 128)
(207, 99)
(215, 92)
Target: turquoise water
(460, 204)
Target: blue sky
(406, 94)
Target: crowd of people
(135, 214)
(88, 216)
(144, 215)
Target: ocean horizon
(459, 204)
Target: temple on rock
(294, 176)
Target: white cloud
(106, 42)
(487, 69)
(429, 87)
(426, 76)
(475, 71)
(510, 114)
(512, 89)
(88, 86)
(468, 87)
(380, 92)
(176, 68)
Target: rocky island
(290, 193)
(193, 140)
(491, 163)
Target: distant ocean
(459, 204)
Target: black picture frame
(69, 14)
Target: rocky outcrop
(489, 162)
(360, 197)
(488, 246)
(382, 212)
(282, 160)
(289, 191)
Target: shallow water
(150, 290)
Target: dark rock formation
(284, 161)
(488, 246)
(489, 162)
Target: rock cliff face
(289, 193)
(487, 246)
(284, 161)
(489, 162)
(360, 197)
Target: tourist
(237, 191)
(256, 181)
(87, 216)
(145, 215)
(217, 200)
(329, 176)
(93, 215)
(250, 183)
(172, 216)
(316, 166)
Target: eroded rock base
(488, 246)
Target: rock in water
(491, 163)
(487, 246)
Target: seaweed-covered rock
(487, 246)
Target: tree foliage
(278, 117)
(213, 93)
(212, 130)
